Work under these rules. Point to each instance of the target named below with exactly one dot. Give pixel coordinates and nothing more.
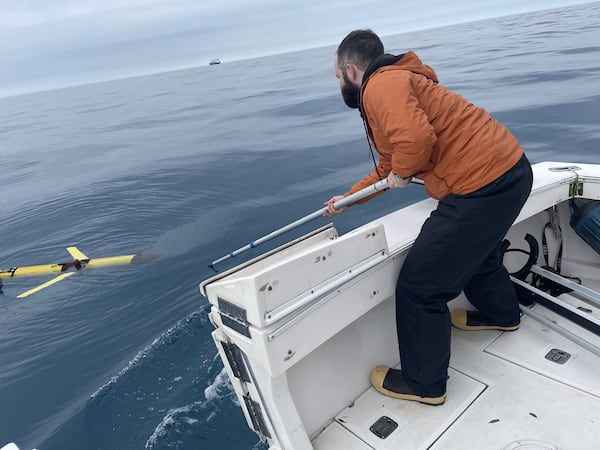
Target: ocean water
(192, 164)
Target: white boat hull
(299, 330)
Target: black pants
(458, 249)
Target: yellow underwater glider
(80, 262)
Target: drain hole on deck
(383, 427)
(558, 356)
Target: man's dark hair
(360, 47)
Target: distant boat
(214, 62)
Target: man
(476, 169)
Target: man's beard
(351, 93)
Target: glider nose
(144, 257)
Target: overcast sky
(53, 43)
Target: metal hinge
(576, 188)
(257, 418)
(236, 359)
(233, 317)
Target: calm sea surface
(193, 164)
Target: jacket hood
(407, 61)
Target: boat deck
(502, 389)
(300, 328)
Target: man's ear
(351, 71)
(354, 74)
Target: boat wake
(183, 421)
(144, 399)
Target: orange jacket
(421, 128)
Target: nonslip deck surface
(502, 392)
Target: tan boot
(391, 383)
(473, 320)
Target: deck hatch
(233, 316)
(372, 408)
